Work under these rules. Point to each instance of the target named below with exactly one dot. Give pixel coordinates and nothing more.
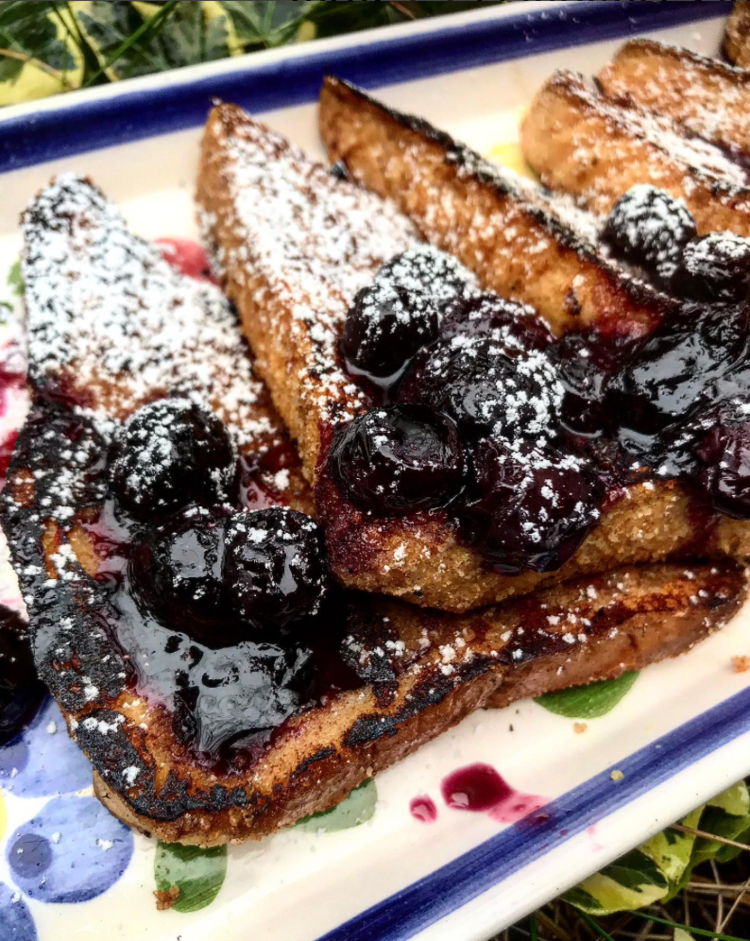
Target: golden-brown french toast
(518, 242)
(595, 150)
(736, 45)
(167, 705)
(704, 96)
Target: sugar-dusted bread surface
(518, 241)
(737, 36)
(705, 96)
(594, 149)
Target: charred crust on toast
(595, 149)
(469, 164)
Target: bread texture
(292, 310)
(737, 36)
(706, 97)
(583, 144)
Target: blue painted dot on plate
(44, 760)
(16, 923)
(71, 851)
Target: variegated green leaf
(661, 867)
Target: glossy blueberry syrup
(187, 257)
(423, 809)
(219, 612)
(479, 788)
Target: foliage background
(48, 47)
(690, 881)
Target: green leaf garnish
(15, 279)
(589, 702)
(356, 808)
(197, 873)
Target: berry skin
(724, 471)
(398, 459)
(386, 325)
(527, 508)
(507, 322)
(21, 692)
(714, 269)
(274, 566)
(179, 571)
(649, 227)
(487, 387)
(168, 455)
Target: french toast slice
(111, 326)
(705, 96)
(736, 46)
(518, 241)
(293, 305)
(583, 144)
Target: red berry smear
(479, 788)
(188, 257)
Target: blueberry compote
(523, 436)
(651, 230)
(219, 608)
(399, 313)
(477, 428)
(21, 692)
(696, 358)
(399, 458)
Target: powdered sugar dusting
(708, 97)
(314, 239)
(112, 325)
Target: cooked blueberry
(398, 459)
(724, 474)
(179, 572)
(168, 455)
(21, 692)
(714, 269)
(487, 387)
(489, 315)
(587, 363)
(700, 357)
(274, 566)
(527, 508)
(649, 227)
(429, 271)
(384, 328)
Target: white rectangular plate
(682, 733)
